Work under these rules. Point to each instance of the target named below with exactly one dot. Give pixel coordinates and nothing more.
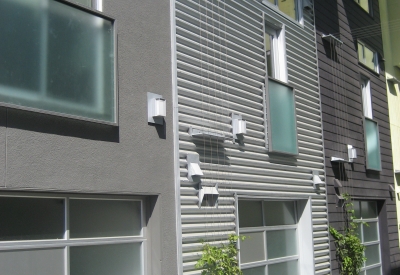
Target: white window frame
(304, 232)
(68, 242)
(375, 53)
(278, 49)
(366, 96)
(362, 271)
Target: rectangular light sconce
(193, 166)
(156, 108)
(238, 126)
(316, 179)
(352, 152)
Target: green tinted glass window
(282, 118)
(373, 152)
(57, 58)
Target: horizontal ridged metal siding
(221, 69)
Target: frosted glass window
(254, 271)
(372, 254)
(279, 213)
(281, 243)
(373, 151)
(250, 213)
(121, 259)
(252, 248)
(32, 262)
(57, 58)
(31, 218)
(370, 232)
(281, 118)
(368, 209)
(104, 218)
(374, 271)
(285, 268)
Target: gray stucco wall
(50, 153)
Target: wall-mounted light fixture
(156, 108)
(193, 166)
(239, 128)
(209, 194)
(352, 152)
(316, 179)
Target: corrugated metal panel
(221, 69)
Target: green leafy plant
(349, 249)
(220, 260)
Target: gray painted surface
(50, 153)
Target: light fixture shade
(156, 108)
(316, 179)
(352, 152)
(209, 194)
(239, 127)
(194, 170)
(193, 166)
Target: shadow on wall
(56, 125)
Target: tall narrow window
(367, 56)
(366, 212)
(275, 52)
(366, 96)
(371, 128)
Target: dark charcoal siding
(343, 117)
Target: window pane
(372, 145)
(250, 214)
(31, 218)
(32, 262)
(268, 52)
(279, 213)
(57, 59)
(288, 7)
(252, 248)
(370, 232)
(360, 50)
(369, 58)
(285, 268)
(364, 4)
(372, 254)
(104, 218)
(374, 271)
(368, 210)
(281, 243)
(357, 209)
(282, 120)
(254, 271)
(121, 259)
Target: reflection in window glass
(279, 213)
(372, 254)
(254, 271)
(268, 53)
(253, 207)
(31, 218)
(104, 218)
(374, 271)
(364, 4)
(367, 57)
(368, 209)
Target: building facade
(358, 153)
(391, 43)
(250, 63)
(87, 184)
